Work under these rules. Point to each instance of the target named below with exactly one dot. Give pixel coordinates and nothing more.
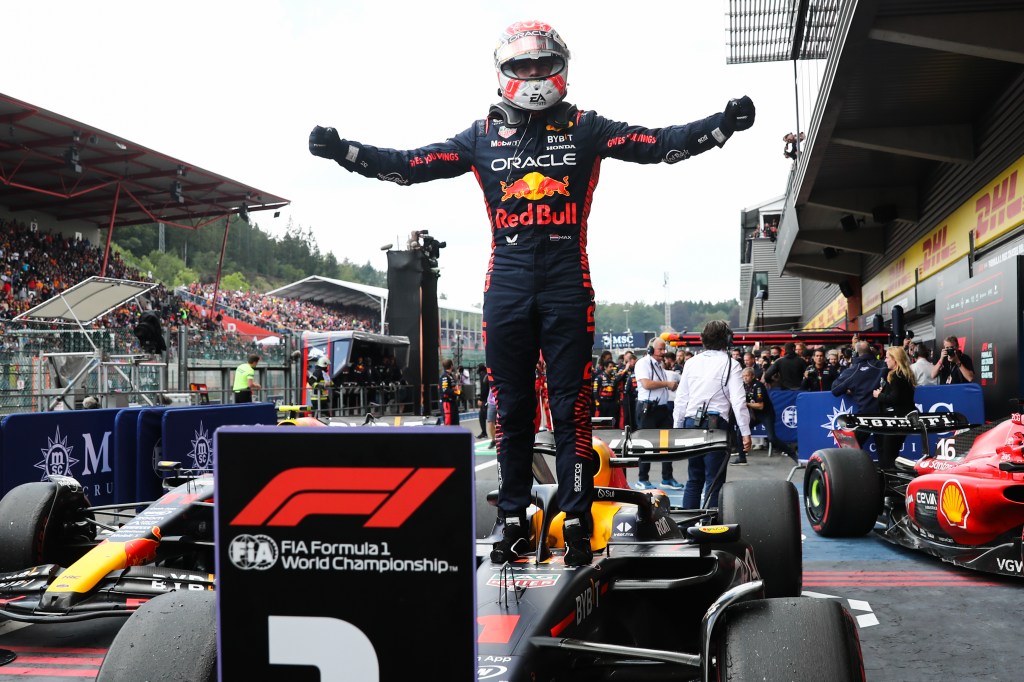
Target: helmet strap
(507, 114)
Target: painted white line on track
(489, 463)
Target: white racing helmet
(531, 43)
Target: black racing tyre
(25, 514)
(795, 640)
(171, 638)
(842, 492)
(768, 513)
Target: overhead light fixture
(849, 223)
(830, 252)
(176, 194)
(243, 212)
(181, 171)
(72, 159)
(94, 139)
(846, 289)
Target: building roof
(74, 171)
(905, 88)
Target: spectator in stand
(859, 381)
(820, 375)
(954, 366)
(922, 367)
(895, 396)
(789, 369)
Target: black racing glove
(738, 115)
(325, 143)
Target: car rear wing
(915, 422)
(666, 445)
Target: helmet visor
(529, 67)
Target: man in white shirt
(922, 367)
(653, 388)
(711, 393)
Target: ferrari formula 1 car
(964, 503)
(671, 595)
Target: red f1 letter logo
(388, 495)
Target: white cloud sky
(235, 87)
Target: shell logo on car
(953, 503)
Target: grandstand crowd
(36, 264)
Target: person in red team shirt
(537, 159)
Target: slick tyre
(33, 517)
(171, 638)
(768, 513)
(797, 640)
(842, 492)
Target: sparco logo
(577, 477)
(388, 496)
(253, 552)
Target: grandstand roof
(340, 292)
(74, 171)
(332, 291)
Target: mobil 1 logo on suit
(336, 546)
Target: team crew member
(820, 375)
(319, 381)
(711, 390)
(537, 159)
(859, 381)
(653, 393)
(759, 405)
(245, 379)
(605, 389)
(451, 388)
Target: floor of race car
(919, 618)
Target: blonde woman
(895, 396)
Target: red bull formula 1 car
(671, 595)
(59, 563)
(964, 503)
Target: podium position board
(345, 554)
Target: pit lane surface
(919, 619)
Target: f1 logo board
(345, 554)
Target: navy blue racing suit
(538, 180)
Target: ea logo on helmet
(253, 552)
(789, 416)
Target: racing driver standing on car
(537, 159)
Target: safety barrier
(113, 452)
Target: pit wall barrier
(814, 416)
(112, 452)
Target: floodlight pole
(220, 265)
(110, 231)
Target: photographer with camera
(954, 366)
